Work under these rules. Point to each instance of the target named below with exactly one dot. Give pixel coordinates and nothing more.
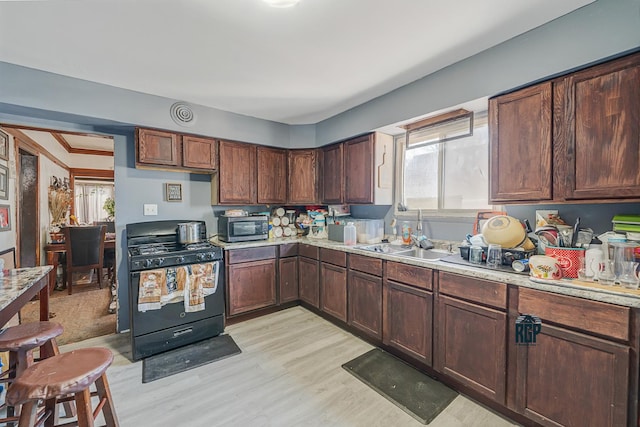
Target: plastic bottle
(350, 234)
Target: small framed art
(173, 192)
(4, 146)
(4, 183)
(5, 218)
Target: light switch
(150, 209)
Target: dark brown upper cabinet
(332, 175)
(169, 150)
(599, 115)
(156, 147)
(576, 137)
(235, 183)
(199, 153)
(368, 170)
(272, 175)
(303, 177)
(520, 145)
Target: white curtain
(89, 200)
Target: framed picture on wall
(4, 182)
(5, 218)
(173, 192)
(4, 146)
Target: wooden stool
(58, 376)
(20, 341)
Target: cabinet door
(156, 147)
(237, 173)
(272, 175)
(288, 279)
(251, 285)
(199, 153)
(308, 270)
(359, 170)
(408, 320)
(572, 379)
(365, 303)
(520, 145)
(333, 175)
(471, 346)
(333, 288)
(303, 181)
(601, 120)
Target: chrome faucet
(419, 224)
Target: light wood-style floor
(289, 374)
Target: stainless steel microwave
(243, 228)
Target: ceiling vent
(182, 114)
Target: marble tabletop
(613, 295)
(17, 282)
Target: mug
(544, 267)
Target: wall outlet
(150, 209)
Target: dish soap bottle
(350, 234)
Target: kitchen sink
(428, 254)
(384, 248)
(404, 251)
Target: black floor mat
(417, 394)
(188, 357)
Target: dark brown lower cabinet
(288, 279)
(333, 290)
(572, 379)
(365, 303)
(471, 346)
(309, 288)
(251, 285)
(408, 320)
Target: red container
(568, 258)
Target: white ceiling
(297, 65)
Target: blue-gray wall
(34, 98)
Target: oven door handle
(182, 332)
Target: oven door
(173, 314)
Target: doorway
(28, 246)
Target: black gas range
(154, 251)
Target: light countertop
(610, 294)
(17, 281)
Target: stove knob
(180, 259)
(147, 263)
(160, 261)
(200, 257)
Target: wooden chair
(84, 251)
(109, 254)
(9, 257)
(61, 375)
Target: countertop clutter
(610, 294)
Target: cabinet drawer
(235, 256)
(288, 250)
(365, 264)
(409, 274)
(308, 251)
(333, 257)
(591, 316)
(493, 294)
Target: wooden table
(18, 288)
(53, 251)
